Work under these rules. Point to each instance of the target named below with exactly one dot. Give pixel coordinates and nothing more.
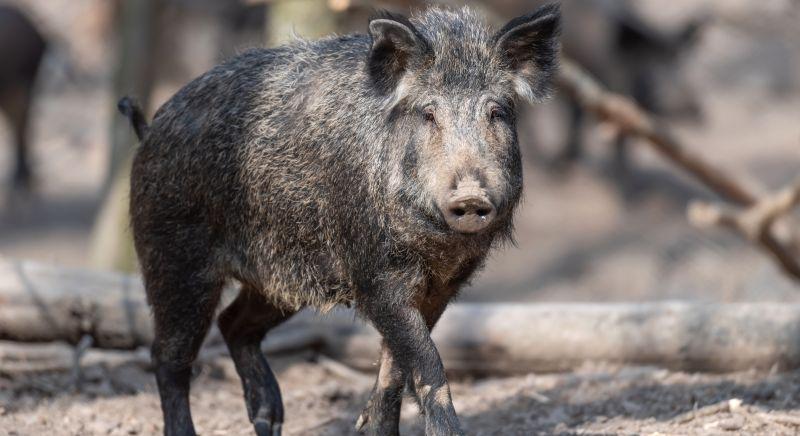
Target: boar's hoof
(267, 428)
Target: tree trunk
(112, 245)
(133, 74)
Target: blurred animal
(377, 170)
(630, 57)
(21, 50)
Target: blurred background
(602, 220)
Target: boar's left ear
(528, 46)
(396, 43)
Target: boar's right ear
(528, 46)
(395, 42)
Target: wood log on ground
(40, 303)
(518, 338)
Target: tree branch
(755, 223)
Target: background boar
(632, 57)
(21, 51)
(628, 54)
(377, 170)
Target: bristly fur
(302, 173)
(229, 147)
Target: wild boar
(376, 169)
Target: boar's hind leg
(406, 334)
(183, 308)
(244, 324)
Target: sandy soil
(118, 397)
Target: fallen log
(517, 338)
(40, 303)
(43, 303)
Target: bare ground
(118, 397)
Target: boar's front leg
(381, 416)
(382, 412)
(407, 338)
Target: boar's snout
(468, 209)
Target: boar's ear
(528, 46)
(395, 43)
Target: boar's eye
(428, 114)
(496, 113)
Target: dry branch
(40, 303)
(752, 222)
(631, 120)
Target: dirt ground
(118, 397)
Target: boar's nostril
(468, 213)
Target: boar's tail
(131, 109)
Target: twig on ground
(339, 369)
(316, 425)
(781, 418)
(711, 409)
(80, 349)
